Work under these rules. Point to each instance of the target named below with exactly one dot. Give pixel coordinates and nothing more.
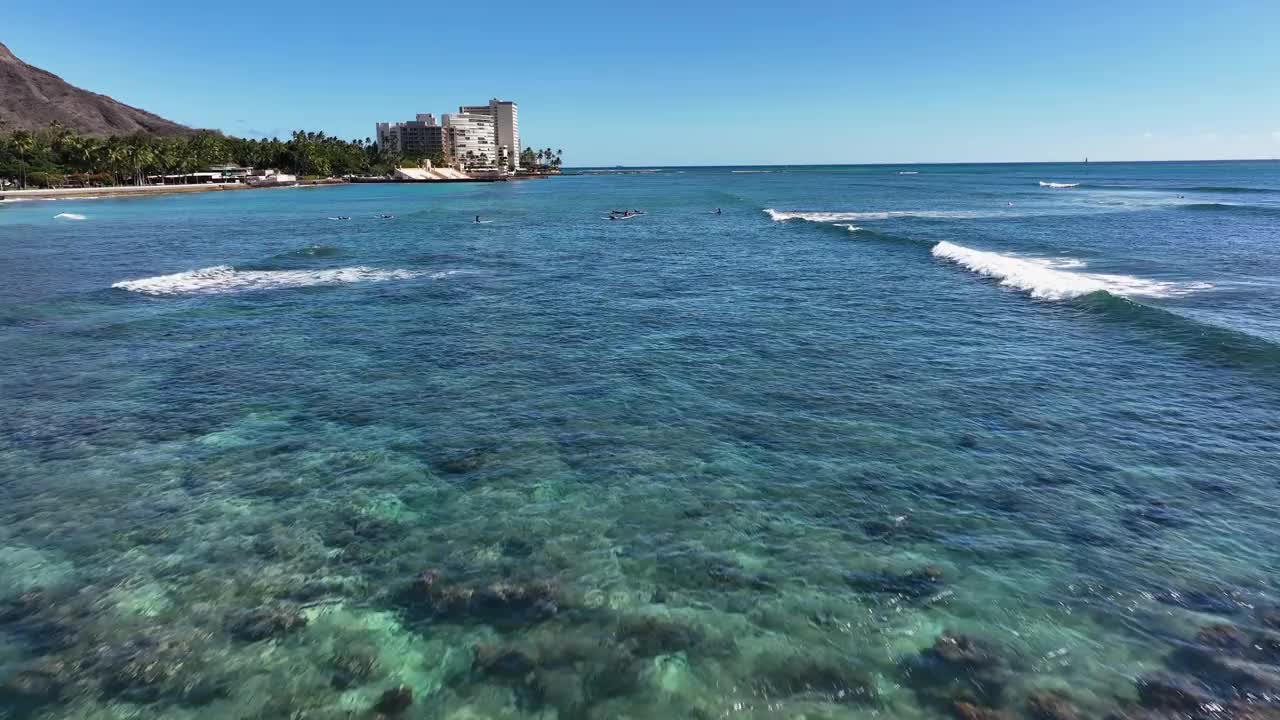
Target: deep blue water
(255, 462)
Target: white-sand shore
(122, 191)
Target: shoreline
(134, 191)
(153, 190)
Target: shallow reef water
(746, 465)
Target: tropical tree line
(541, 159)
(56, 157)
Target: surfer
(477, 218)
(717, 211)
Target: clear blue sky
(702, 83)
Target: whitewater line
(1045, 279)
(223, 279)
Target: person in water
(717, 211)
(477, 218)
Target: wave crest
(827, 217)
(1058, 185)
(1046, 279)
(224, 279)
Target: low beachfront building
(214, 174)
(272, 178)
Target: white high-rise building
(472, 136)
(506, 128)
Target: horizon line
(918, 164)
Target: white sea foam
(1055, 263)
(70, 216)
(850, 228)
(908, 172)
(748, 172)
(1045, 278)
(223, 279)
(785, 215)
(1058, 185)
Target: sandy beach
(58, 193)
(130, 191)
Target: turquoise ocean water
(897, 442)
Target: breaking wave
(1050, 279)
(1113, 297)
(1058, 185)
(70, 216)
(825, 217)
(224, 279)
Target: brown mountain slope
(31, 98)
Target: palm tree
(23, 144)
(113, 155)
(58, 136)
(81, 153)
(134, 159)
(188, 161)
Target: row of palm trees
(546, 158)
(55, 156)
